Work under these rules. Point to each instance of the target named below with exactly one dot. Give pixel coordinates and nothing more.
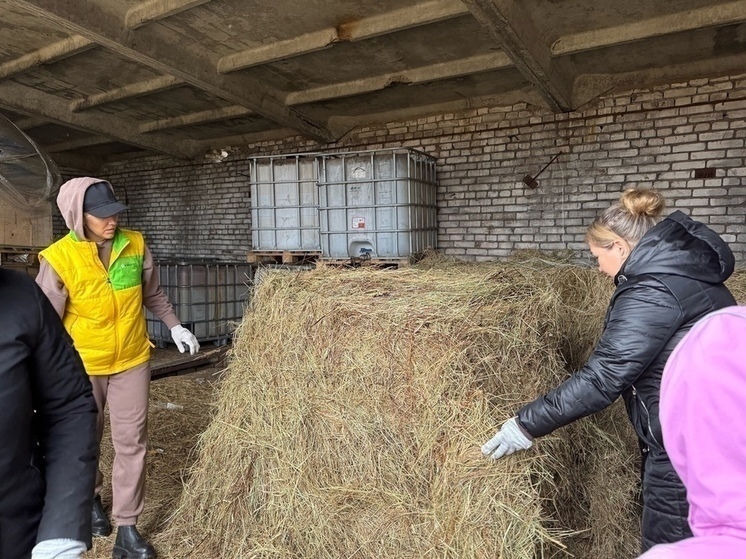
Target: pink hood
(703, 416)
(70, 202)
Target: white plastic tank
(285, 204)
(379, 204)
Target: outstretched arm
(639, 325)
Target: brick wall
(648, 138)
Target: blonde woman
(668, 273)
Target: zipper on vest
(113, 302)
(647, 416)
(116, 321)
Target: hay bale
(737, 285)
(350, 420)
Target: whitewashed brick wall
(647, 138)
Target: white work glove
(183, 336)
(509, 438)
(58, 549)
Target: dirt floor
(180, 409)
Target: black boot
(100, 525)
(131, 545)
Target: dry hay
(173, 433)
(350, 420)
(737, 285)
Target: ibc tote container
(284, 204)
(208, 297)
(379, 204)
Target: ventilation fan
(28, 176)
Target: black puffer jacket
(672, 278)
(47, 425)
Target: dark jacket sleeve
(66, 428)
(640, 322)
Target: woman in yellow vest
(98, 278)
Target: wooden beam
(713, 16)
(510, 25)
(391, 22)
(77, 144)
(201, 117)
(154, 10)
(25, 100)
(434, 72)
(154, 46)
(46, 55)
(132, 90)
(183, 365)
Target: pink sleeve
(52, 286)
(663, 551)
(153, 297)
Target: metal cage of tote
(209, 298)
(379, 204)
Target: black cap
(99, 201)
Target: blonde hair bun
(642, 202)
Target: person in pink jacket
(703, 417)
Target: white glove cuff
(514, 434)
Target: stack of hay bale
(350, 421)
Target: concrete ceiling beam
(76, 164)
(29, 122)
(47, 55)
(201, 117)
(434, 72)
(700, 18)
(77, 144)
(138, 89)
(248, 139)
(425, 13)
(510, 25)
(526, 95)
(28, 101)
(154, 10)
(367, 28)
(153, 46)
(591, 86)
(303, 44)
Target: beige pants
(127, 396)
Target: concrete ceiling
(98, 80)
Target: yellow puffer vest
(104, 313)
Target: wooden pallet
(368, 262)
(20, 258)
(179, 365)
(15, 249)
(25, 255)
(281, 257)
